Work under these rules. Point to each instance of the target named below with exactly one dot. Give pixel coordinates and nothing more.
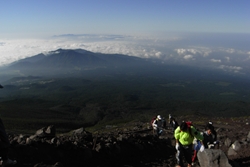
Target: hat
(209, 127)
(159, 117)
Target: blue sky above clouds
(214, 32)
(37, 18)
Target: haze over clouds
(212, 34)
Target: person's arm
(197, 134)
(177, 136)
(177, 133)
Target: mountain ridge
(68, 61)
(83, 63)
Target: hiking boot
(8, 162)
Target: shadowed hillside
(72, 88)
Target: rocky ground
(130, 145)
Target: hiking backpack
(152, 120)
(189, 124)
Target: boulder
(40, 132)
(45, 132)
(213, 157)
(236, 145)
(248, 136)
(231, 152)
(50, 131)
(228, 142)
(79, 131)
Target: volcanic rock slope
(130, 145)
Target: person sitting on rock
(4, 147)
(157, 125)
(184, 136)
(209, 140)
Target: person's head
(183, 126)
(158, 117)
(209, 128)
(172, 119)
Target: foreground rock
(213, 157)
(82, 148)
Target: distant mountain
(62, 61)
(83, 63)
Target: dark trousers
(186, 152)
(4, 141)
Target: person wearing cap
(210, 136)
(209, 140)
(213, 131)
(157, 125)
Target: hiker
(169, 118)
(164, 124)
(214, 133)
(152, 123)
(174, 124)
(210, 137)
(184, 135)
(209, 140)
(4, 146)
(157, 125)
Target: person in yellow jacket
(184, 136)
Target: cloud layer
(168, 50)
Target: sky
(210, 32)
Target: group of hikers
(159, 124)
(188, 140)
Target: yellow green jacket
(185, 138)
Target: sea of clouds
(203, 52)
